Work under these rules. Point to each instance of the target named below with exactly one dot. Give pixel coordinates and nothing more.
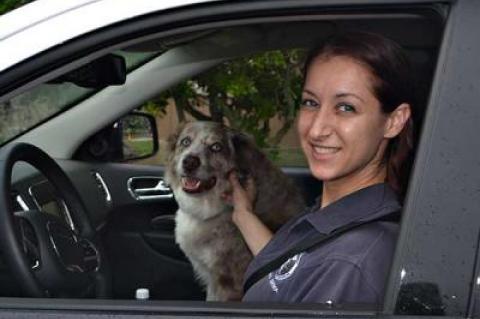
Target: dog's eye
(185, 141)
(216, 147)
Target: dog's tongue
(190, 183)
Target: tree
(246, 93)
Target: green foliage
(246, 93)
(8, 5)
(257, 89)
(155, 107)
(135, 122)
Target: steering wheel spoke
(46, 255)
(28, 239)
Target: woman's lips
(324, 152)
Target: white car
(90, 90)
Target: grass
(139, 147)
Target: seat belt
(308, 244)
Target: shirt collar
(365, 204)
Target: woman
(356, 131)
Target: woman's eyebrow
(310, 93)
(340, 95)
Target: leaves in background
(246, 93)
(8, 5)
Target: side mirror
(139, 136)
(131, 137)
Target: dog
(201, 156)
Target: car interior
(105, 209)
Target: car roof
(34, 27)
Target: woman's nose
(322, 124)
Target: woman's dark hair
(393, 85)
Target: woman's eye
(346, 108)
(308, 103)
(216, 147)
(185, 141)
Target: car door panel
(138, 232)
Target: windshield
(33, 107)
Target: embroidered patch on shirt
(284, 272)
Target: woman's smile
(321, 152)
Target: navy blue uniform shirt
(351, 268)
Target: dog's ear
(241, 144)
(173, 138)
(246, 154)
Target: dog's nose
(190, 163)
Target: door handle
(148, 188)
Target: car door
(438, 241)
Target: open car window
(248, 76)
(257, 94)
(225, 68)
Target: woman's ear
(397, 120)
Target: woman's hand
(255, 233)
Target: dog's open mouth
(195, 185)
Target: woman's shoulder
(361, 246)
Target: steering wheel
(49, 257)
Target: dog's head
(202, 154)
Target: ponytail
(399, 159)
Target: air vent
(102, 187)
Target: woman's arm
(255, 233)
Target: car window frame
(460, 7)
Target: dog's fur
(204, 229)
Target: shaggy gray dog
(202, 154)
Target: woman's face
(341, 126)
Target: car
(91, 90)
